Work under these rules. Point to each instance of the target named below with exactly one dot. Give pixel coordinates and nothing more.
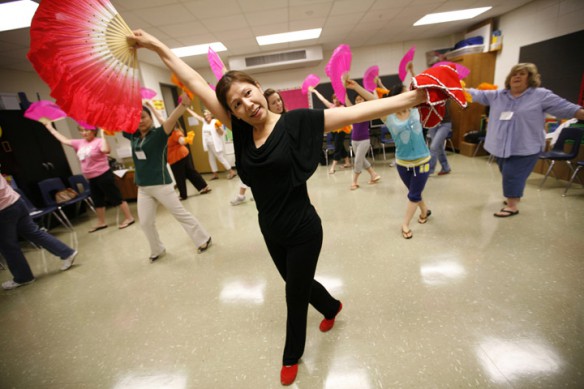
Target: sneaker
(155, 257)
(7, 285)
(68, 262)
(238, 200)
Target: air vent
(276, 58)
(265, 62)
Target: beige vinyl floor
(470, 301)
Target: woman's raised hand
(143, 39)
(184, 100)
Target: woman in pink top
(92, 153)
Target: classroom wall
(534, 22)
(537, 21)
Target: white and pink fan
(147, 93)
(80, 49)
(462, 70)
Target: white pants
(212, 154)
(148, 199)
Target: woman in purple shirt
(360, 140)
(516, 127)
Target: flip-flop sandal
(407, 234)
(97, 229)
(354, 186)
(122, 226)
(506, 213)
(375, 180)
(422, 219)
(205, 191)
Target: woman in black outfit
(275, 155)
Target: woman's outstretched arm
(369, 110)
(193, 80)
(60, 137)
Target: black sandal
(204, 247)
(422, 219)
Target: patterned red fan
(369, 78)
(337, 69)
(79, 49)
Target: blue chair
(557, 153)
(574, 175)
(44, 214)
(49, 187)
(385, 140)
(328, 146)
(80, 184)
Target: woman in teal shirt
(412, 159)
(155, 185)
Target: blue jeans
(438, 135)
(15, 221)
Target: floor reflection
(152, 381)
(513, 359)
(442, 272)
(243, 291)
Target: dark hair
(268, 92)
(144, 109)
(225, 83)
(395, 90)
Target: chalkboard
(326, 89)
(560, 62)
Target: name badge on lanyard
(507, 115)
(138, 151)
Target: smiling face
(207, 115)
(247, 102)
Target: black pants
(184, 169)
(340, 151)
(297, 265)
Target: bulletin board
(560, 62)
(293, 99)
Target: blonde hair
(533, 77)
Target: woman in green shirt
(155, 185)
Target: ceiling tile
(162, 16)
(213, 8)
(225, 23)
(179, 30)
(309, 11)
(351, 7)
(262, 18)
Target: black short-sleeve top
(277, 172)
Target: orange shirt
(175, 151)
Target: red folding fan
(79, 49)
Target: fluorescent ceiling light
(188, 51)
(292, 36)
(16, 14)
(444, 17)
